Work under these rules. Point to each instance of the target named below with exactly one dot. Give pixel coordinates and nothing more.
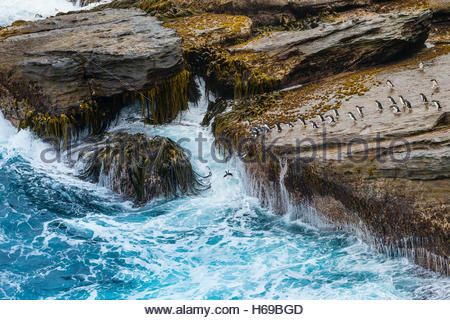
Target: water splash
(31, 10)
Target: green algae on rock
(294, 57)
(208, 30)
(142, 168)
(159, 8)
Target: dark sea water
(62, 238)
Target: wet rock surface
(392, 187)
(141, 168)
(54, 65)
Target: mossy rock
(159, 8)
(211, 29)
(141, 168)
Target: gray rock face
(57, 63)
(302, 56)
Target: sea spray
(30, 10)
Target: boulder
(61, 65)
(141, 168)
(293, 57)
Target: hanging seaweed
(194, 93)
(231, 75)
(89, 116)
(162, 103)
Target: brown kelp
(160, 104)
(230, 75)
(142, 168)
(214, 108)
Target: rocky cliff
(382, 172)
(385, 174)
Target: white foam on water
(42, 157)
(30, 10)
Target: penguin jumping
(228, 174)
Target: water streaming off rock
(64, 238)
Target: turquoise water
(62, 238)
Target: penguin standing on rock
(331, 119)
(314, 125)
(379, 105)
(424, 98)
(302, 120)
(408, 104)
(336, 113)
(434, 83)
(255, 132)
(352, 116)
(421, 66)
(278, 127)
(267, 127)
(392, 100)
(437, 104)
(360, 111)
(396, 109)
(290, 124)
(402, 100)
(390, 84)
(321, 117)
